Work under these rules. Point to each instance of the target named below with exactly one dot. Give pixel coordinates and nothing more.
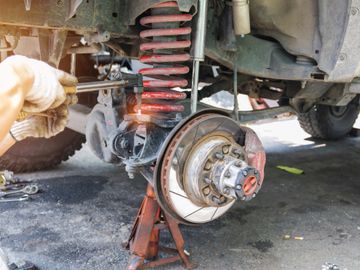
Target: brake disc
(207, 163)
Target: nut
(219, 156)
(216, 200)
(227, 174)
(207, 180)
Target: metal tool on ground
(13, 189)
(144, 238)
(26, 266)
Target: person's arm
(15, 82)
(31, 86)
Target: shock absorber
(164, 48)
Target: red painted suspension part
(164, 53)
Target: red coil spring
(164, 36)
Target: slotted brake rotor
(207, 163)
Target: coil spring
(165, 52)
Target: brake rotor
(207, 163)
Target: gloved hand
(41, 126)
(46, 90)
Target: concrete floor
(86, 209)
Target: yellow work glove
(47, 88)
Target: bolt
(227, 174)
(124, 143)
(243, 198)
(227, 191)
(237, 152)
(208, 180)
(238, 187)
(219, 156)
(238, 164)
(225, 149)
(254, 195)
(206, 191)
(216, 200)
(245, 173)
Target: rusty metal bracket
(144, 238)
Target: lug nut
(216, 200)
(207, 180)
(219, 156)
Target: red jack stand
(144, 238)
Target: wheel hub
(206, 166)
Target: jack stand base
(143, 242)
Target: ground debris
(289, 237)
(291, 170)
(330, 266)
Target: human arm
(31, 86)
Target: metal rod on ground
(199, 51)
(236, 102)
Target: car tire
(329, 122)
